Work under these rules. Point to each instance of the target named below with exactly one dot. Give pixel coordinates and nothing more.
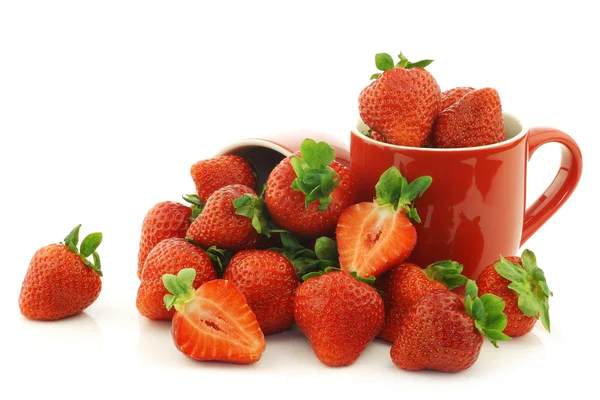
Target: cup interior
(513, 126)
(262, 154)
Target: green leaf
(90, 243)
(220, 258)
(186, 277)
(528, 304)
(170, 283)
(298, 165)
(539, 275)
(471, 288)
(384, 61)
(545, 316)
(511, 271)
(418, 64)
(290, 243)
(324, 203)
(97, 264)
(326, 249)
(193, 199)
(478, 309)
(494, 336)
(545, 288)
(492, 303)
(529, 261)
(416, 188)
(169, 301)
(496, 320)
(388, 188)
(448, 272)
(315, 194)
(73, 238)
(374, 76)
(72, 248)
(316, 155)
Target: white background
(104, 106)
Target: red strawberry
(306, 192)
(405, 284)
(213, 322)
(403, 101)
(339, 315)
(169, 257)
(60, 280)
(372, 237)
(268, 281)
(165, 220)
(442, 332)
(451, 96)
(522, 285)
(220, 225)
(215, 173)
(474, 120)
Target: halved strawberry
(373, 237)
(214, 322)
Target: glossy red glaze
(475, 208)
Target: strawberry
(374, 135)
(372, 237)
(522, 285)
(473, 120)
(213, 322)
(402, 103)
(443, 332)
(169, 256)
(164, 220)
(339, 315)
(215, 173)
(306, 192)
(406, 283)
(268, 281)
(220, 225)
(60, 280)
(451, 96)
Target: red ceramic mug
(474, 210)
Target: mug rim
(253, 142)
(506, 116)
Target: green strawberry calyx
(196, 204)
(88, 247)
(487, 312)
(385, 62)
(314, 177)
(529, 282)
(305, 260)
(254, 207)
(395, 190)
(448, 272)
(180, 287)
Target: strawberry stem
(448, 272)
(529, 282)
(89, 244)
(394, 189)
(180, 287)
(315, 178)
(487, 313)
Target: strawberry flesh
(217, 324)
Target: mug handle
(564, 182)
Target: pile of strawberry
(405, 106)
(235, 265)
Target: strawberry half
(213, 322)
(372, 237)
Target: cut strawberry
(373, 237)
(214, 322)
